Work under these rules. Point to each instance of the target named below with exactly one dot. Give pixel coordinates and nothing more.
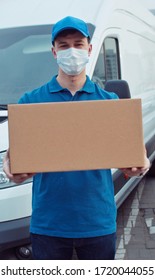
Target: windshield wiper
(3, 106)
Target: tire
(151, 172)
(23, 253)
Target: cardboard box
(75, 135)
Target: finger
(20, 178)
(134, 169)
(24, 175)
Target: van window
(108, 62)
(26, 61)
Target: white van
(123, 38)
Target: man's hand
(137, 171)
(17, 178)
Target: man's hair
(67, 32)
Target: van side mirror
(120, 87)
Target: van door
(108, 62)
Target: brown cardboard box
(75, 135)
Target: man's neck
(72, 83)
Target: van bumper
(14, 233)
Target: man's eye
(79, 45)
(63, 46)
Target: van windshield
(26, 61)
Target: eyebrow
(64, 42)
(61, 42)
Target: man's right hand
(17, 178)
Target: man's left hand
(137, 171)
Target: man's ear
(54, 52)
(90, 49)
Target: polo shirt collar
(54, 86)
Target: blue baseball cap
(70, 23)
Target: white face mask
(72, 61)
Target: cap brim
(67, 28)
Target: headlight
(4, 181)
(3, 178)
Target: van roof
(34, 12)
(41, 12)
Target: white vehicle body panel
(127, 21)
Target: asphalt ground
(136, 223)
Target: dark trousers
(58, 248)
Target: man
(72, 209)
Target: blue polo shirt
(76, 204)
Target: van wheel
(151, 172)
(24, 253)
